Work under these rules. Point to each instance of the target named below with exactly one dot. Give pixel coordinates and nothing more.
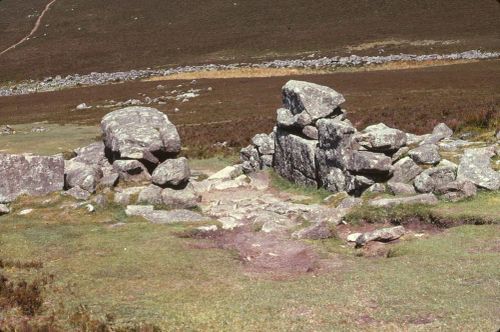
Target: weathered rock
(315, 232)
(381, 138)
(172, 173)
(405, 170)
(400, 153)
(425, 154)
(92, 154)
(181, 199)
(398, 188)
(175, 216)
(140, 133)
(412, 139)
(310, 132)
(138, 210)
(447, 163)
(285, 119)
(334, 180)
(475, 166)
(350, 202)
(131, 170)
(266, 161)
(150, 195)
(29, 175)
(264, 143)
(79, 174)
(357, 184)
(227, 173)
(316, 100)
(353, 237)
(4, 209)
(366, 162)
(128, 195)
(294, 158)
(109, 180)
(431, 178)
(318, 214)
(382, 235)
(417, 199)
(100, 200)
(457, 190)
(440, 132)
(377, 188)
(78, 193)
(250, 158)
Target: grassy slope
(93, 35)
(143, 273)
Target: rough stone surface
(294, 158)
(316, 100)
(30, 175)
(365, 162)
(131, 170)
(382, 235)
(86, 176)
(140, 133)
(264, 143)
(357, 184)
(91, 154)
(127, 195)
(425, 154)
(440, 132)
(314, 232)
(381, 138)
(109, 180)
(251, 159)
(405, 170)
(172, 173)
(475, 166)
(4, 209)
(285, 119)
(78, 193)
(227, 173)
(150, 195)
(377, 188)
(174, 216)
(398, 188)
(350, 202)
(431, 178)
(181, 199)
(457, 190)
(417, 199)
(310, 132)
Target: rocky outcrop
(475, 166)
(29, 175)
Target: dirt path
(33, 31)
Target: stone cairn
(314, 144)
(139, 151)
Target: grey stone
(175, 216)
(310, 132)
(181, 199)
(138, 210)
(29, 175)
(127, 196)
(316, 100)
(315, 232)
(150, 195)
(266, 161)
(431, 178)
(357, 184)
(366, 162)
(172, 173)
(85, 176)
(100, 200)
(334, 181)
(382, 235)
(264, 143)
(285, 119)
(250, 159)
(377, 188)
(294, 158)
(227, 173)
(400, 153)
(78, 193)
(475, 166)
(398, 188)
(131, 171)
(440, 132)
(350, 202)
(447, 163)
(412, 139)
(457, 190)
(381, 138)
(417, 199)
(140, 133)
(92, 154)
(109, 180)
(425, 154)
(405, 170)
(4, 209)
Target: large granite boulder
(172, 173)
(425, 154)
(457, 190)
(29, 175)
(285, 118)
(432, 178)
(140, 133)
(475, 166)
(264, 143)
(366, 162)
(405, 170)
(91, 154)
(83, 175)
(295, 158)
(315, 100)
(381, 138)
(186, 198)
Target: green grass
(142, 273)
(57, 139)
(482, 209)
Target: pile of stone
(139, 151)
(7, 130)
(314, 144)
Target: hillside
(84, 36)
